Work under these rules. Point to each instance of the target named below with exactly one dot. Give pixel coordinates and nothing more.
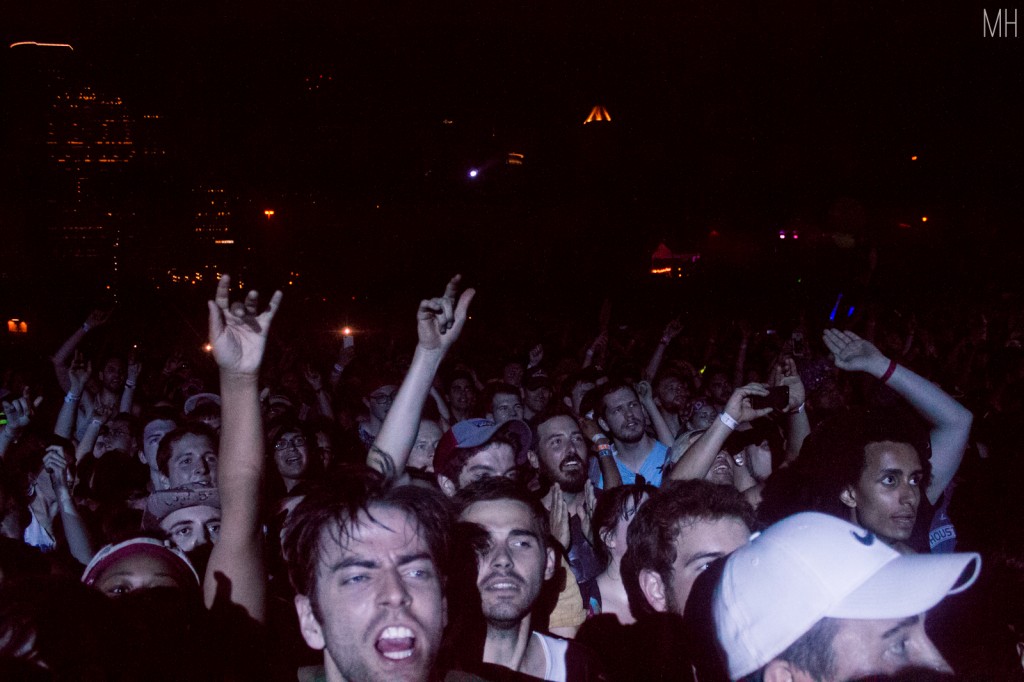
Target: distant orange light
(208, 347)
(346, 331)
(924, 219)
(269, 212)
(598, 113)
(32, 42)
(913, 158)
(17, 326)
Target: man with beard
(672, 396)
(559, 453)
(514, 560)
(621, 415)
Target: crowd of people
(821, 504)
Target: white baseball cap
(811, 566)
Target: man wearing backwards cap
(189, 516)
(478, 448)
(815, 597)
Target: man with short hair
(461, 395)
(504, 403)
(576, 386)
(815, 597)
(513, 564)
(188, 455)
(673, 538)
(368, 565)
(479, 448)
(536, 393)
(157, 425)
(378, 403)
(621, 415)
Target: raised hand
(644, 391)
(79, 374)
(587, 509)
(20, 410)
(56, 464)
(672, 330)
(853, 353)
(785, 374)
(590, 428)
(738, 406)
(558, 513)
(238, 331)
(599, 345)
(101, 413)
(536, 355)
(97, 317)
(439, 321)
(313, 378)
(134, 369)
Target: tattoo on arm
(383, 462)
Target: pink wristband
(888, 372)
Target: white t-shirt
(554, 652)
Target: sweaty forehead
(560, 425)
(385, 533)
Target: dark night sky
(777, 108)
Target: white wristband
(71, 397)
(728, 421)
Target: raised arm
(75, 532)
(238, 333)
(61, 359)
(661, 430)
(131, 381)
(739, 370)
(671, 331)
(78, 374)
(798, 426)
(97, 418)
(949, 420)
(696, 461)
(323, 398)
(19, 415)
(439, 321)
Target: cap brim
(525, 434)
(909, 585)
